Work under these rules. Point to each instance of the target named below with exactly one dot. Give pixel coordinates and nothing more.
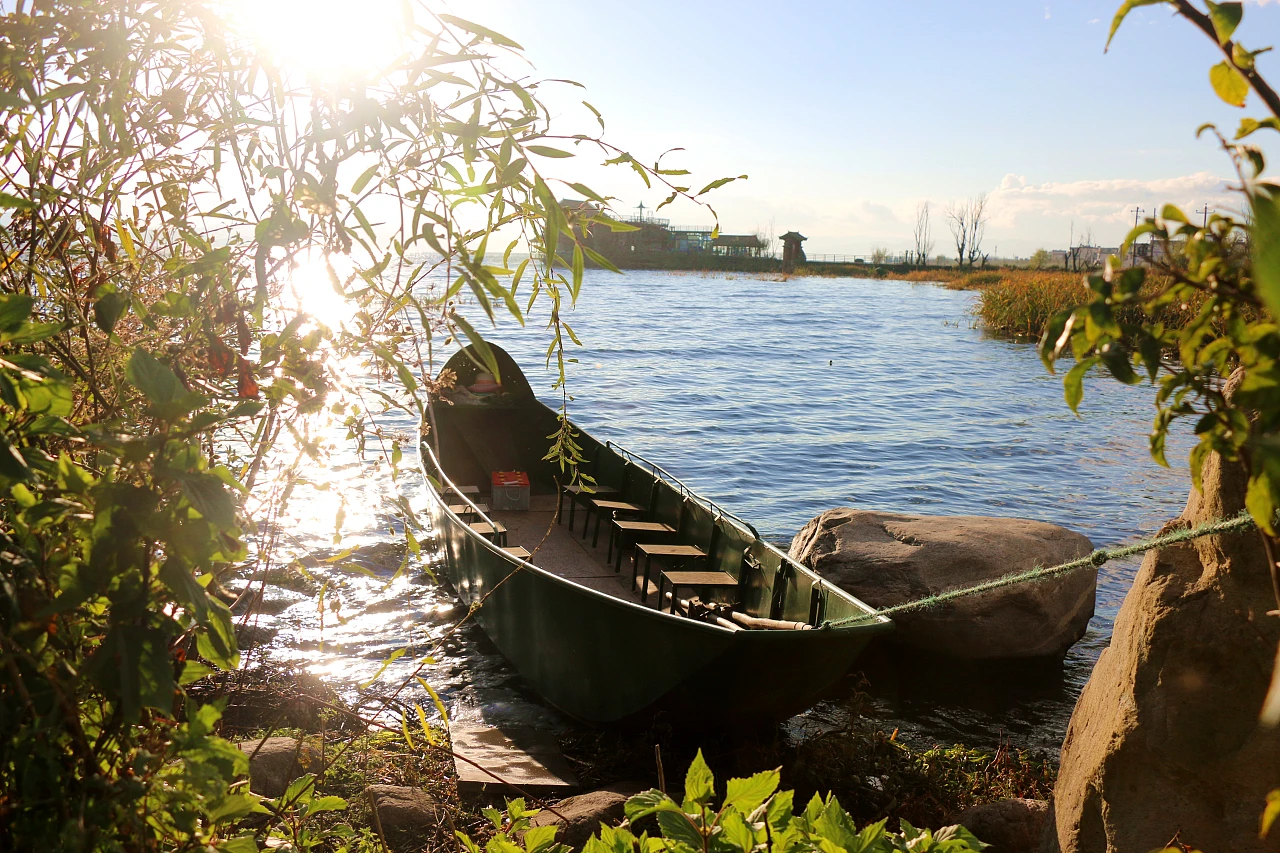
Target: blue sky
(846, 115)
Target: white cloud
(1095, 20)
(1047, 13)
(1022, 210)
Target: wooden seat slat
(700, 579)
(661, 550)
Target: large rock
(1165, 742)
(1009, 826)
(888, 558)
(277, 761)
(580, 817)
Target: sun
(311, 291)
(336, 38)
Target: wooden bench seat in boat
(620, 529)
(472, 492)
(579, 494)
(649, 550)
(464, 511)
(700, 581)
(601, 508)
(495, 532)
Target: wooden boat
(593, 632)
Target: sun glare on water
(326, 37)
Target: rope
(1096, 559)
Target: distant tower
(792, 252)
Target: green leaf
(12, 202)
(211, 499)
(1260, 500)
(217, 643)
(483, 32)
(481, 346)
(193, 671)
(1271, 812)
(1225, 18)
(699, 784)
(719, 182)
(544, 151)
(746, 795)
(646, 803)
(1266, 244)
(15, 308)
(1251, 125)
(326, 804)
(153, 377)
(365, 177)
(1229, 84)
(539, 838)
(1123, 12)
(107, 311)
(1073, 382)
(392, 658)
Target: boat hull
(603, 657)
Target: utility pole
(1133, 250)
(1206, 211)
(640, 207)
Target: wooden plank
(700, 578)
(659, 550)
(645, 527)
(484, 528)
(519, 755)
(621, 506)
(517, 551)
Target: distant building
(792, 251)
(651, 234)
(741, 245)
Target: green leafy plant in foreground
(753, 815)
(1226, 269)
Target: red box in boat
(510, 491)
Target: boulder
(1165, 742)
(583, 814)
(889, 558)
(276, 763)
(402, 809)
(1009, 826)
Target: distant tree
(977, 228)
(958, 223)
(879, 254)
(968, 223)
(1040, 259)
(922, 237)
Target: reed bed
(1020, 302)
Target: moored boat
(638, 596)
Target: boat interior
(624, 527)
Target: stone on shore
(406, 815)
(1165, 743)
(1009, 826)
(889, 558)
(276, 763)
(583, 814)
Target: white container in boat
(510, 491)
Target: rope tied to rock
(1094, 560)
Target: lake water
(777, 399)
